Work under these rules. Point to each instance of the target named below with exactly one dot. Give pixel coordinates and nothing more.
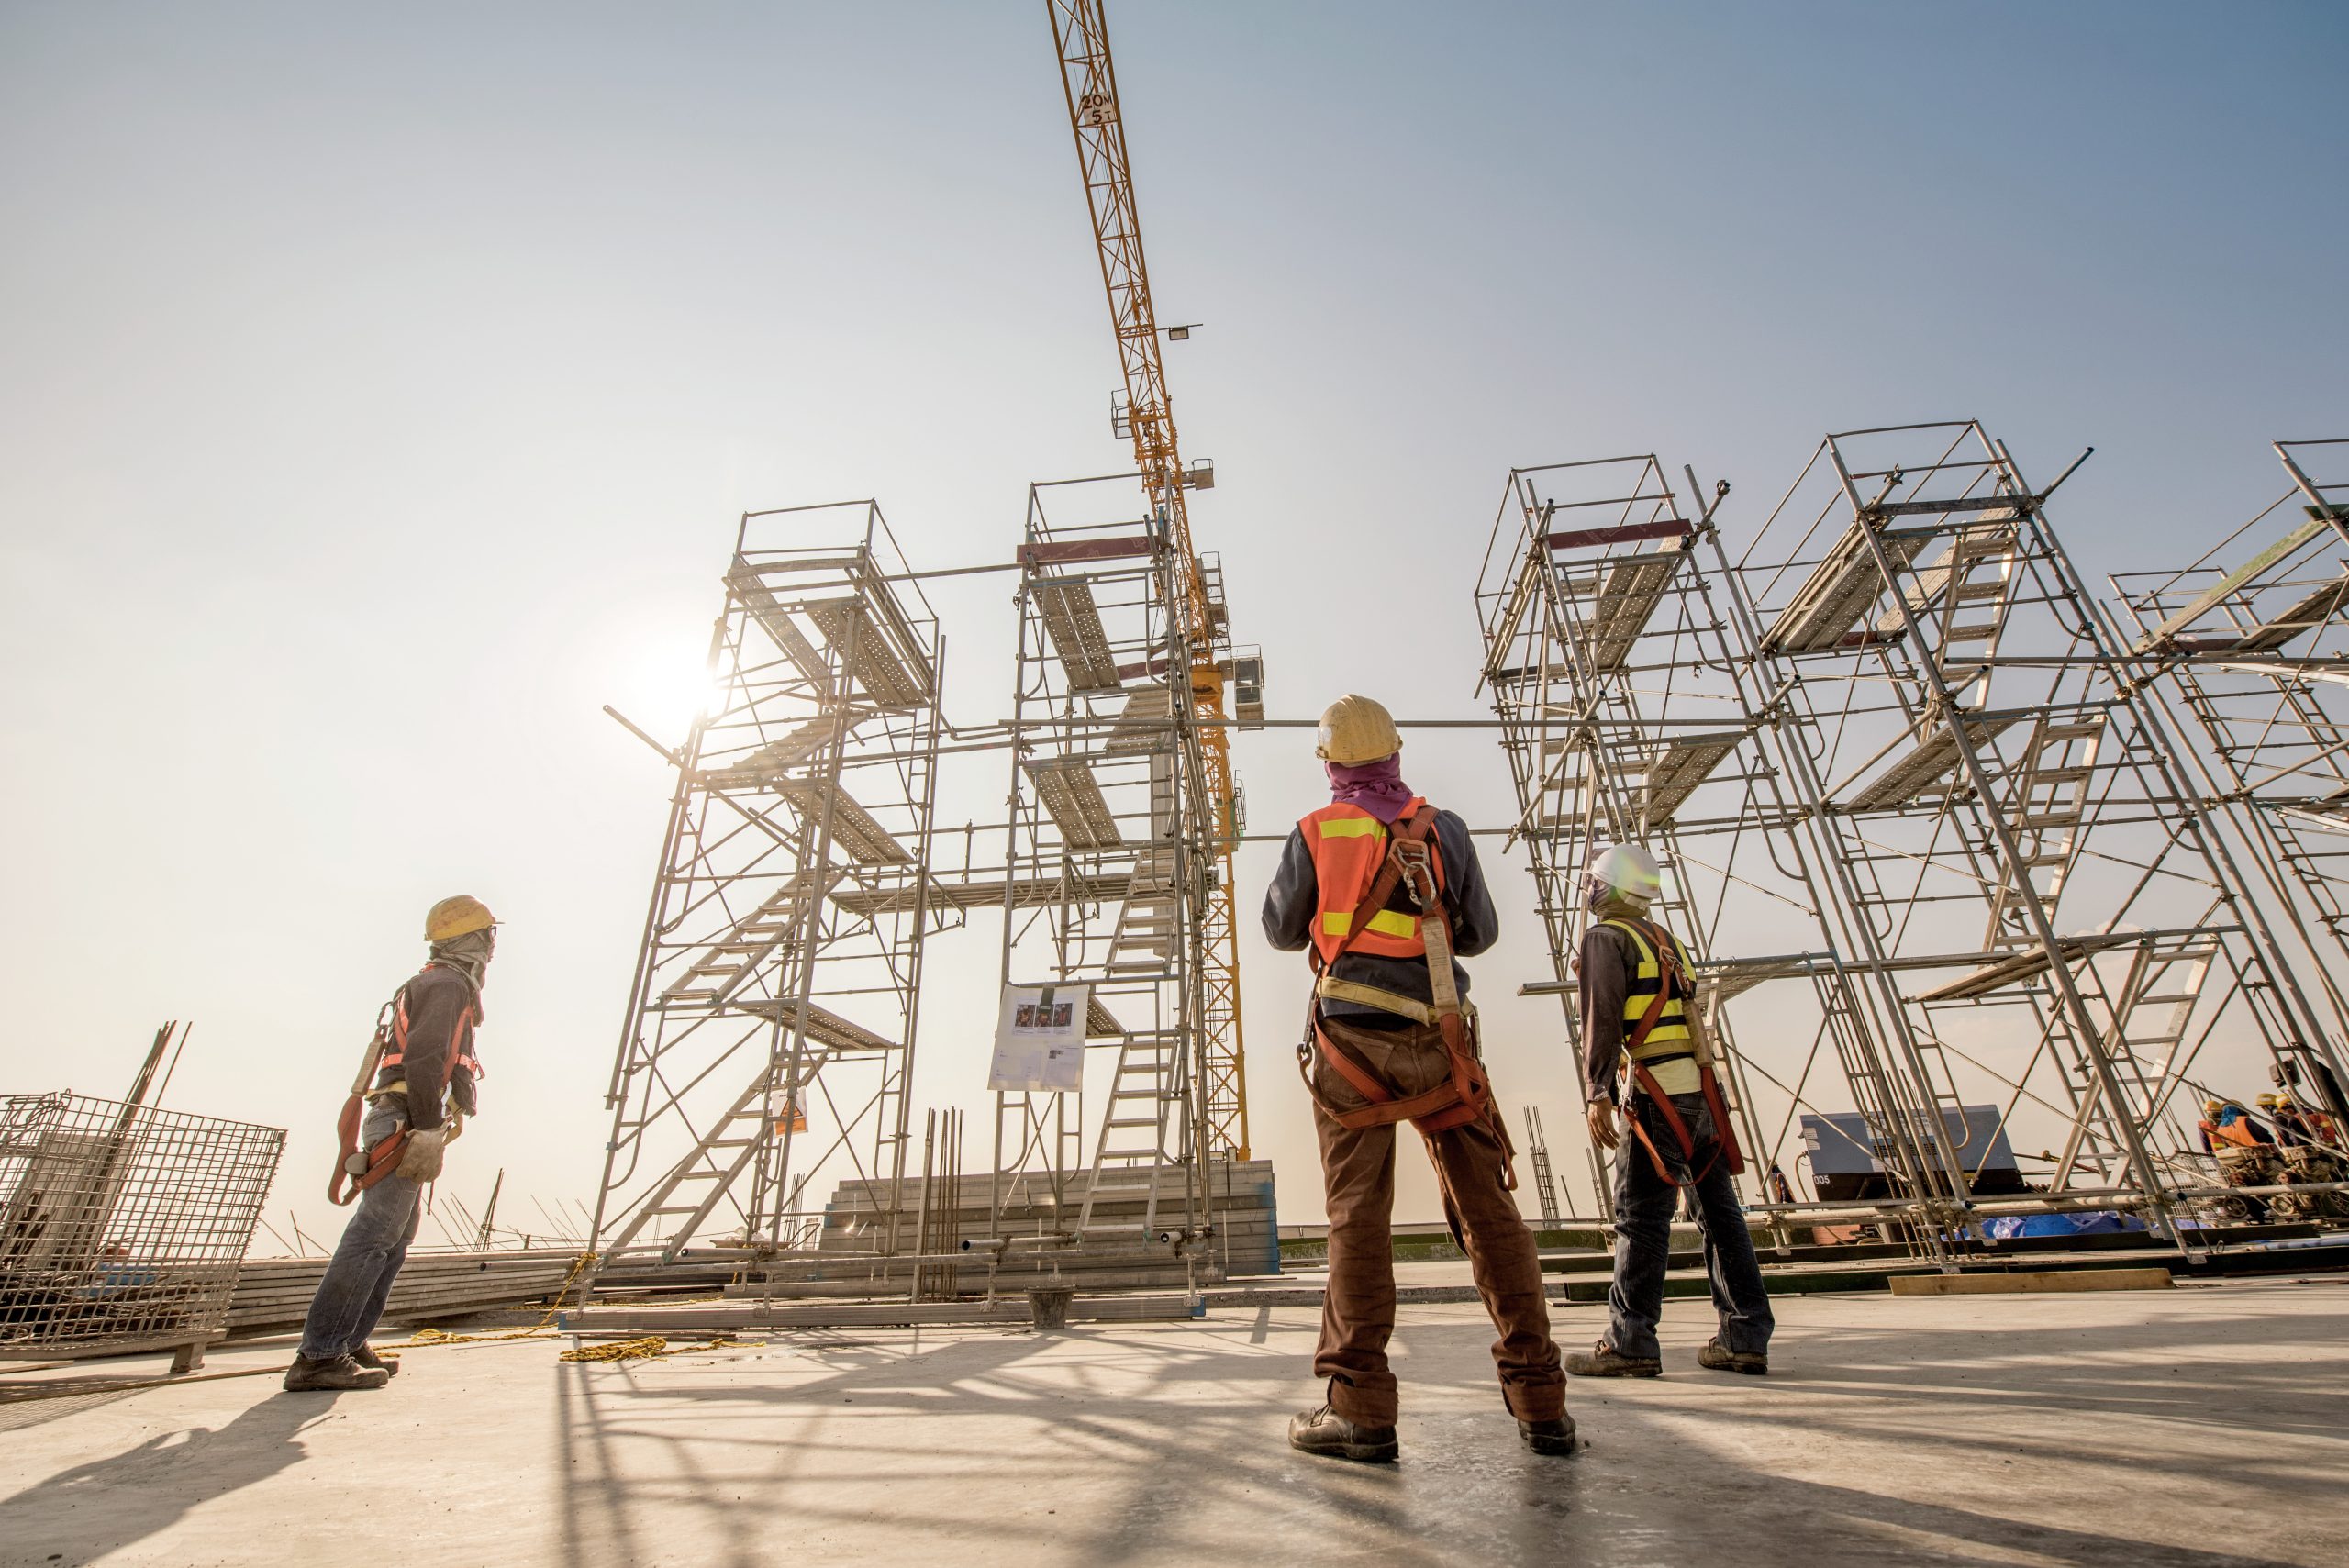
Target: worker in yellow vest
(1647, 1065)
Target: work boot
(338, 1372)
(1324, 1432)
(1605, 1360)
(1556, 1435)
(1717, 1357)
(365, 1356)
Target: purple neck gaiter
(1377, 787)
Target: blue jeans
(368, 1258)
(1644, 1208)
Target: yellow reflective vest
(1670, 1036)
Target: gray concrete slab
(2203, 1426)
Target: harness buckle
(1411, 859)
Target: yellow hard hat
(455, 917)
(2270, 1101)
(1356, 729)
(2213, 1107)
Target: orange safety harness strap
(386, 1156)
(388, 1046)
(1668, 975)
(1467, 1095)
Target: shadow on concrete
(1118, 1446)
(107, 1503)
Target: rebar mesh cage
(122, 1226)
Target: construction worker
(2292, 1129)
(1382, 889)
(1638, 1017)
(2246, 1157)
(2227, 1124)
(420, 1062)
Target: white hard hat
(1626, 870)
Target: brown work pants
(1358, 1168)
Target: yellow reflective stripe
(1352, 828)
(1649, 966)
(1669, 1024)
(1386, 923)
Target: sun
(667, 688)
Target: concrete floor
(2208, 1425)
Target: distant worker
(2227, 1124)
(2246, 1156)
(2322, 1127)
(420, 1060)
(2292, 1130)
(1640, 1023)
(1384, 889)
(1781, 1190)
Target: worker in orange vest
(1382, 889)
(2225, 1122)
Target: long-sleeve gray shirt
(1293, 903)
(441, 1010)
(1603, 978)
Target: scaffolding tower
(770, 1026)
(1618, 661)
(2257, 656)
(1110, 875)
(1900, 702)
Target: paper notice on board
(1040, 1040)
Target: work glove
(420, 1161)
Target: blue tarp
(2089, 1222)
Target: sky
(383, 384)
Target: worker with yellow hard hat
(1381, 890)
(2292, 1124)
(417, 1083)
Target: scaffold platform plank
(1927, 764)
(1679, 769)
(1074, 622)
(825, 1026)
(771, 762)
(1071, 797)
(1835, 599)
(1617, 605)
(856, 830)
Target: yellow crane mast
(1090, 84)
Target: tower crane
(1089, 82)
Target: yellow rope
(651, 1345)
(619, 1351)
(541, 1331)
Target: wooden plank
(1582, 539)
(2051, 1282)
(1052, 553)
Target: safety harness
(1467, 1094)
(1673, 975)
(388, 1047)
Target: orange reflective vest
(1349, 846)
(461, 1043)
(2237, 1132)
